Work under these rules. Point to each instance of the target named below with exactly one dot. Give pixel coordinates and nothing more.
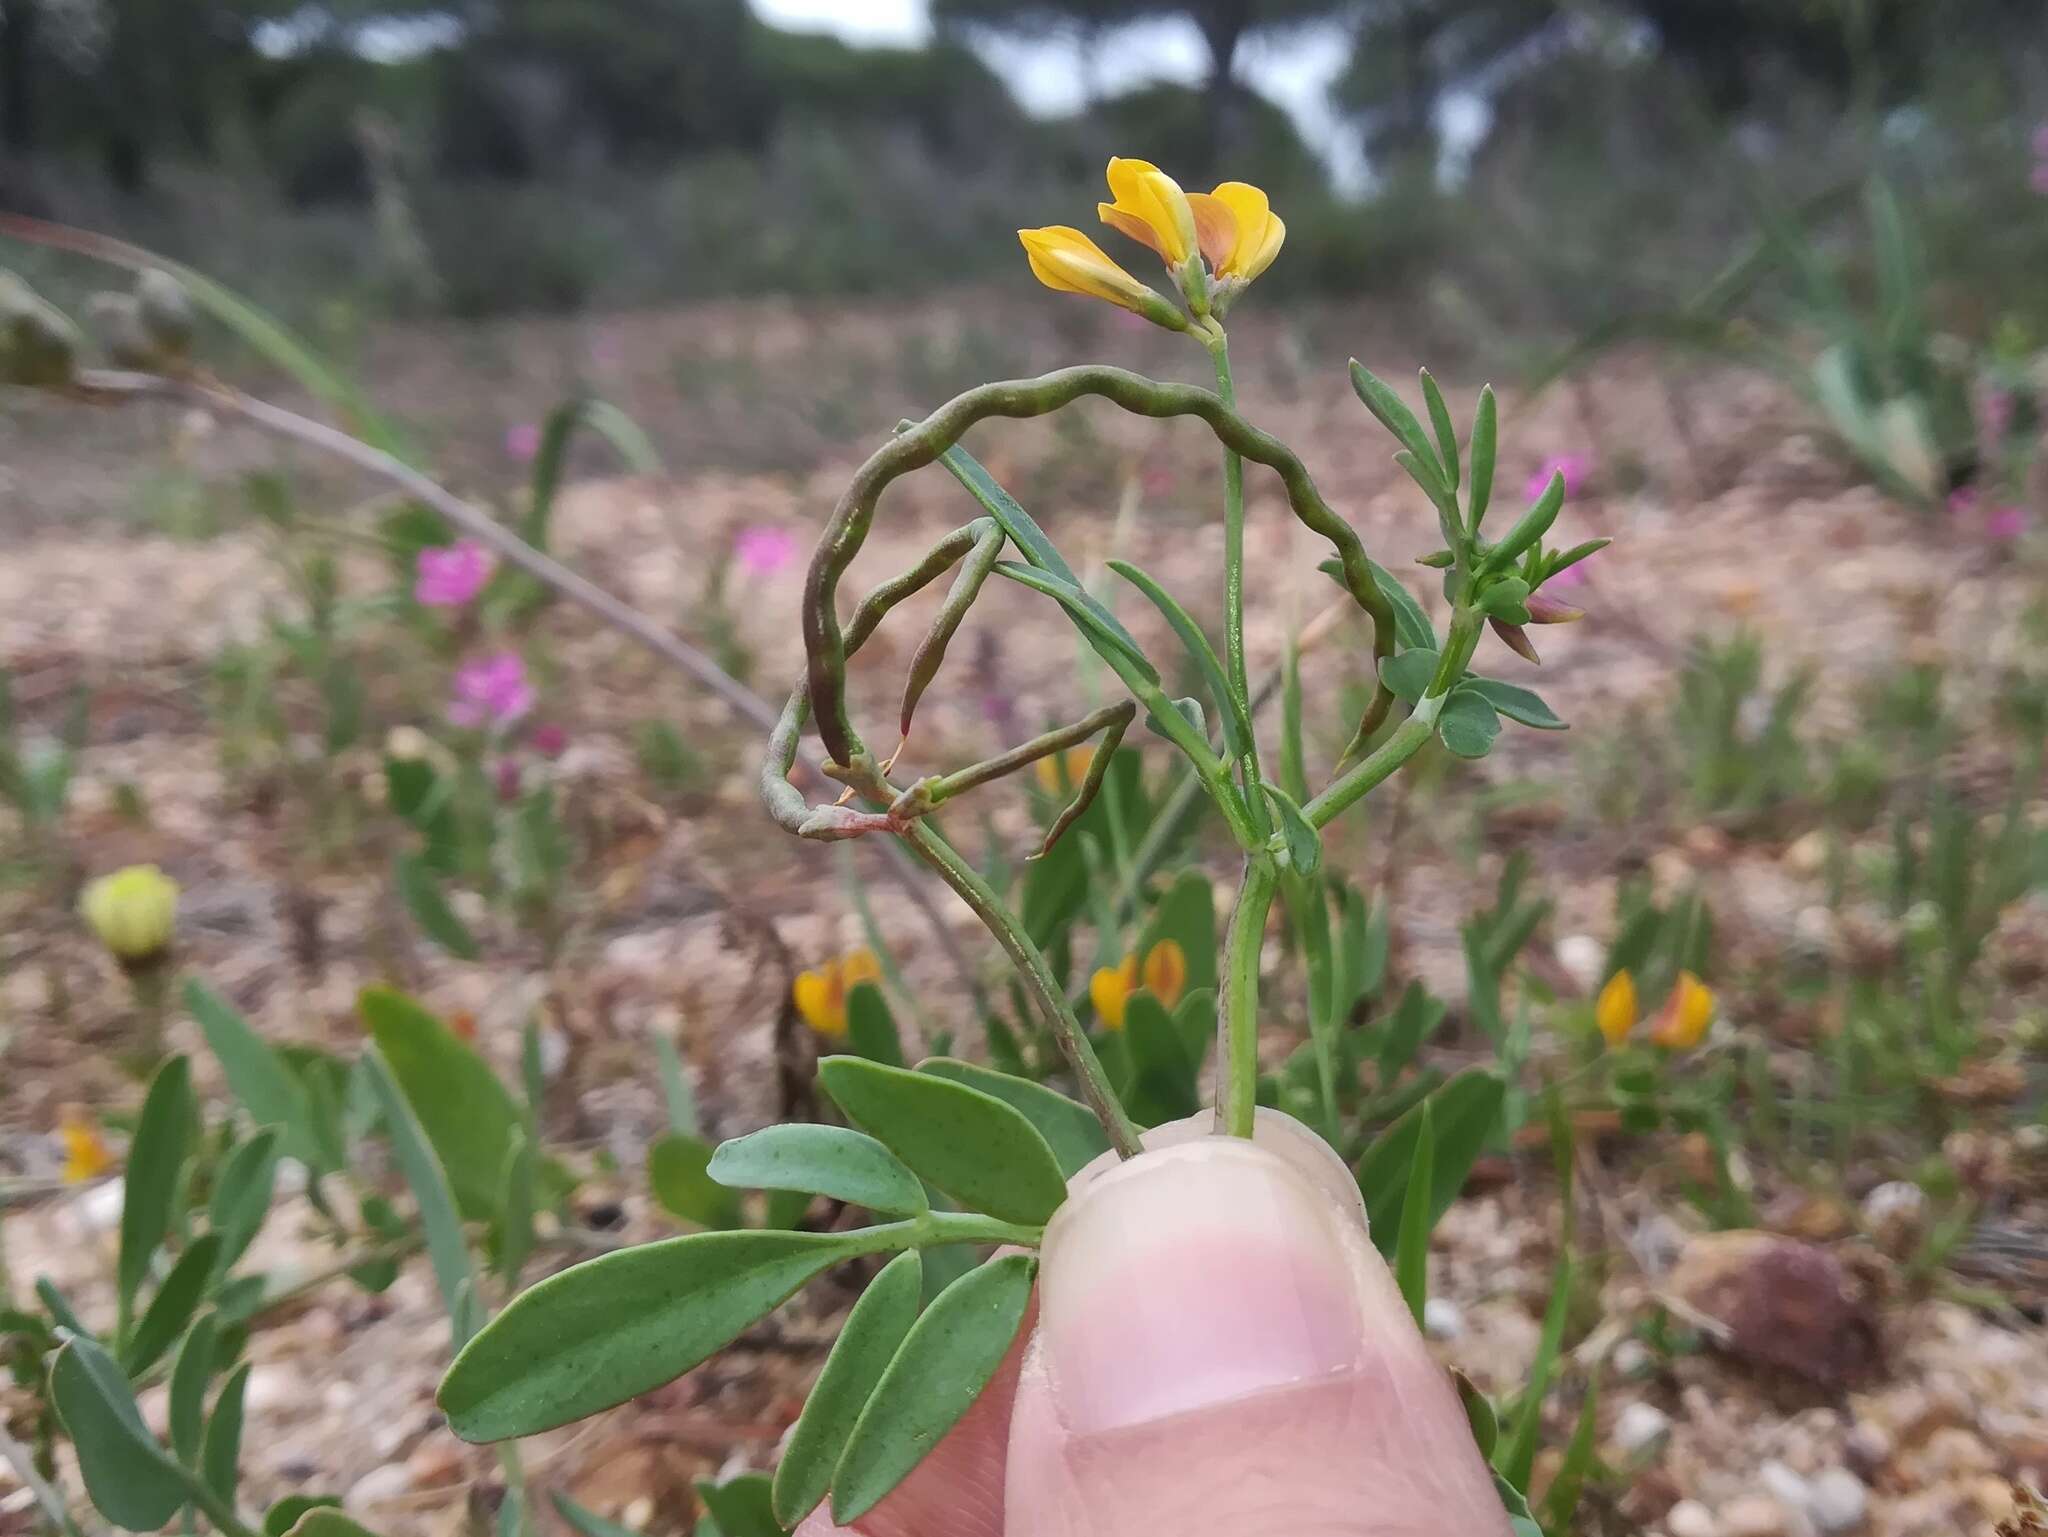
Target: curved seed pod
(39, 345)
(1091, 782)
(874, 608)
(931, 651)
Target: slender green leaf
(156, 1173)
(1440, 423)
(267, 1088)
(1159, 1082)
(130, 1476)
(1415, 1019)
(191, 1371)
(220, 1452)
(515, 1230)
(1485, 428)
(1110, 640)
(1237, 725)
(419, 888)
(971, 1145)
(831, 1161)
(184, 1288)
(1071, 1130)
(1531, 526)
(941, 1368)
(1395, 416)
(241, 1195)
(1463, 1114)
(439, 1218)
(1411, 623)
(1000, 505)
(867, 1342)
(1516, 1456)
(467, 1114)
(1561, 1499)
(1411, 1249)
(675, 1088)
(871, 1026)
(678, 1172)
(613, 1327)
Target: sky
(1046, 76)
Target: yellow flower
(132, 912)
(1163, 973)
(1062, 773)
(820, 995)
(1065, 259)
(86, 1155)
(1683, 1021)
(1240, 233)
(1151, 209)
(1615, 1012)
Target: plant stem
(1233, 575)
(925, 841)
(1238, 1028)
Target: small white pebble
(1640, 1427)
(1631, 1358)
(1442, 1319)
(1689, 1518)
(1837, 1500)
(1584, 958)
(376, 1487)
(99, 1208)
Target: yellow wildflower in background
(1616, 1010)
(1073, 764)
(1163, 973)
(132, 912)
(86, 1154)
(1682, 1022)
(820, 995)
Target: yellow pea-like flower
(1163, 972)
(1616, 1009)
(820, 995)
(132, 912)
(1240, 233)
(1062, 773)
(1683, 1020)
(1063, 258)
(86, 1154)
(1151, 208)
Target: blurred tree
(1223, 24)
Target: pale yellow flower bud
(132, 912)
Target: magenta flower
(2006, 524)
(522, 442)
(764, 549)
(450, 576)
(1576, 469)
(1962, 503)
(491, 691)
(550, 740)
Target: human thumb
(1221, 1352)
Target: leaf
(675, 1088)
(1530, 526)
(867, 1342)
(871, 1026)
(1304, 843)
(1101, 629)
(1071, 1130)
(156, 1173)
(941, 1368)
(1237, 726)
(241, 1196)
(466, 1113)
(741, 1506)
(220, 1453)
(1485, 430)
(1469, 725)
(831, 1161)
(1160, 1085)
(1415, 1019)
(1479, 1414)
(1411, 624)
(589, 1522)
(127, 1472)
(439, 1218)
(1394, 415)
(184, 1287)
(1516, 703)
(1516, 1456)
(1440, 423)
(420, 889)
(676, 1171)
(258, 1075)
(283, 1519)
(613, 1327)
(515, 1232)
(1000, 505)
(1411, 1250)
(1463, 1113)
(971, 1145)
(1561, 1500)
(190, 1373)
(1409, 673)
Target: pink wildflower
(2006, 524)
(1962, 503)
(491, 691)
(450, 576)
(522, 442)
(1576, 469)
(550, 740)
(764, 549)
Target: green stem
(1233, 574)
(1237, 1096)
(956, 872)
(219, 1511)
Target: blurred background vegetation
(472, 157)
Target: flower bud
(132, 912)
(1615, 1011)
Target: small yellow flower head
(1063, 258)
(1062, 773)
(86, 1154)
(1163, 973)
(1682, 1021)
(820, 995)
(1615, 1011)
(132, 911)
(1240, 234)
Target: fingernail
(1192, 1276)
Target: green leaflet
(465, 1111)
(131, 1478)
(1469, 724)
(1070, 1129)
(831, 1161)
(156, 1173)
(1463, 1113)
(678, 1170)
